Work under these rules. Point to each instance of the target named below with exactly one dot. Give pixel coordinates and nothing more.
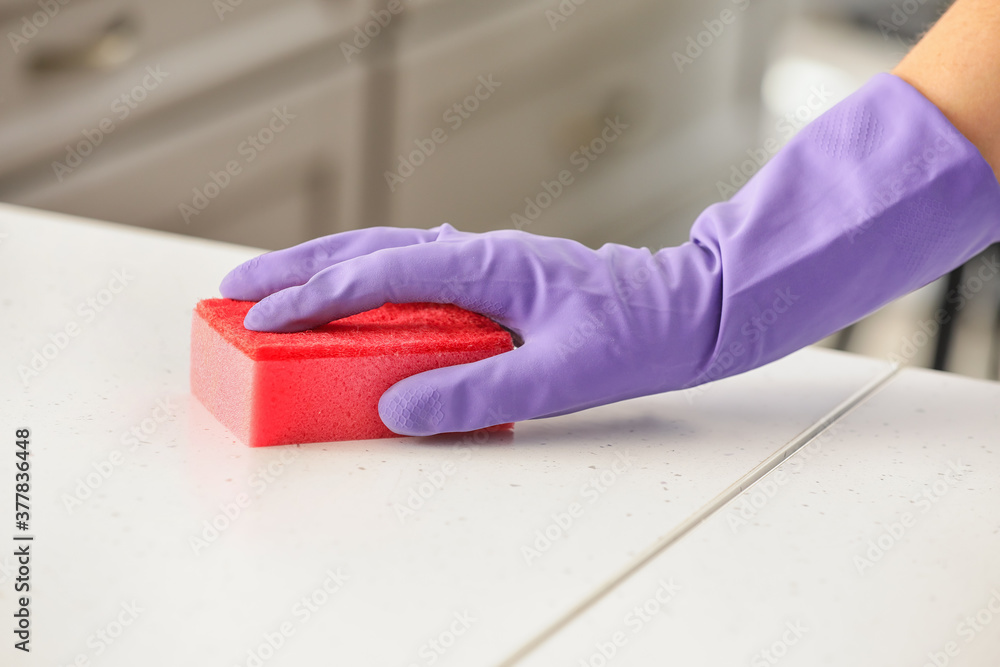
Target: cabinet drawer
(270, 173)
(88, 55)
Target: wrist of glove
(874, 199)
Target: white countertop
(640, 477)
(877, 544)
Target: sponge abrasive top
(392, 329)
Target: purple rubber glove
(876, 198)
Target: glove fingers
(412, 274)
(512, 386)
(268, 273)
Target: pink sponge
(324, 384)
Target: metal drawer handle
(114, 46)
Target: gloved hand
(874, 199)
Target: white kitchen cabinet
(512, 160)
(561, 79)
(44, 108)
(271, 171)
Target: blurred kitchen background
(267, 122)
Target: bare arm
(957, 67)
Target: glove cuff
(874, 199)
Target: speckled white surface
(326, 506)
(878, 544)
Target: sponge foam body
(324, 384)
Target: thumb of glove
(505, 388)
